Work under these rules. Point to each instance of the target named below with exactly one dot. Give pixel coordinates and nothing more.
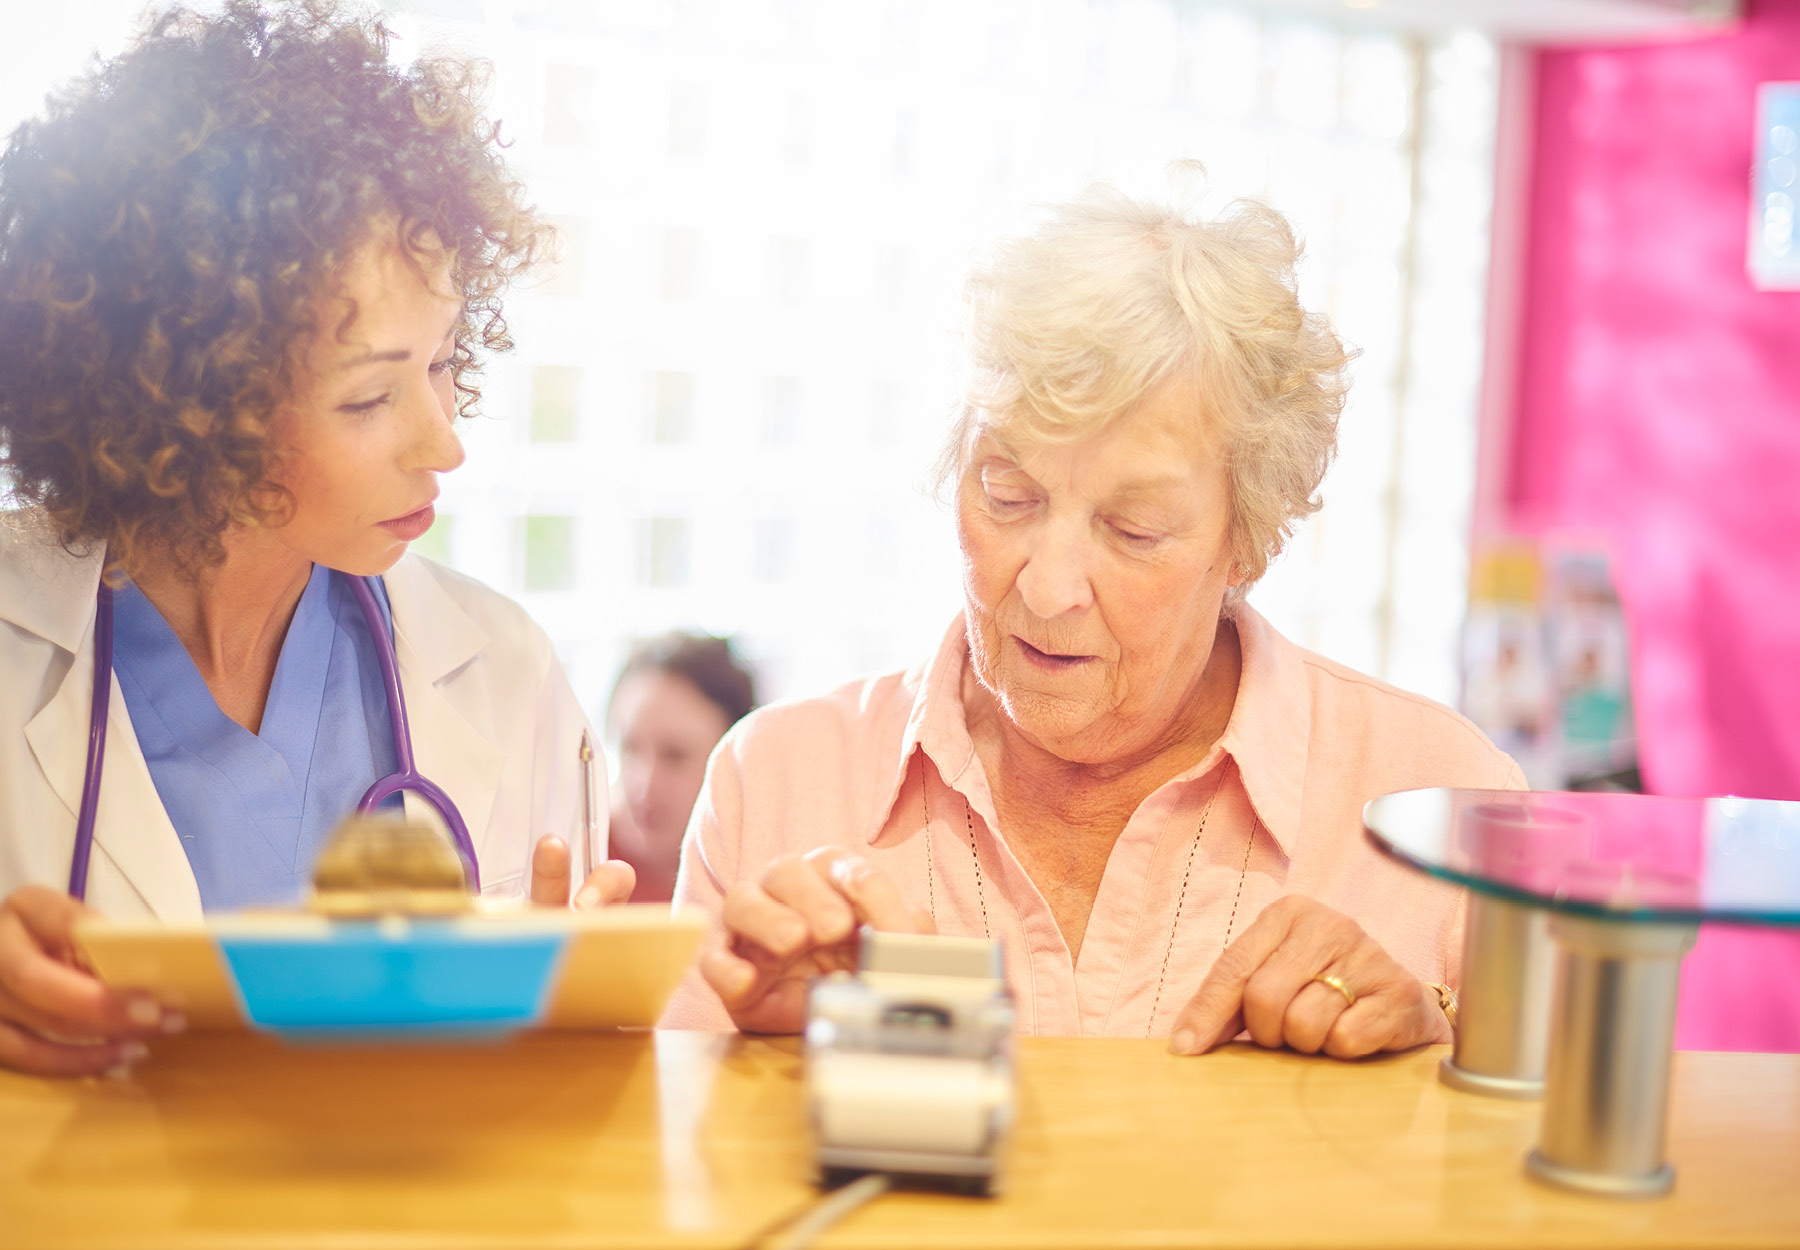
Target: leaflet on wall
(1546, 663)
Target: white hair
(1074, 323)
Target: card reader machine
(909, 1062)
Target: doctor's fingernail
(130, 1055)
(1185, 1042)
(144, 1013)
(589, 896)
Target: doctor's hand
(611, 882)
(1269, 981)
(799, 921)
(56, 1018)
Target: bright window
(555, 411)
(742, 363)
(550, 553)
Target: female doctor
(243, 271)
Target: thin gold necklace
(1180, 899)
(974, 856)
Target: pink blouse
(1275, 808)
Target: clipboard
(484, 974)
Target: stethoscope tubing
(405, 777)
(96, 752)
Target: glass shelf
(1625, 857)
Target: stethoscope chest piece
(383, 865)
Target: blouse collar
(1266, 735)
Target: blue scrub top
(254, 809)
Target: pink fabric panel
(1659, 404)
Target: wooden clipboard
(617, 966)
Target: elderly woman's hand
(799, 921)
(1268, 981)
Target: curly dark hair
(167, 228)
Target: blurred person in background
(1112, 763)
(674, 699)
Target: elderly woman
(244, 269)
(1112, 763)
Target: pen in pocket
(590, 823)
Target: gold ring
(1337, 983)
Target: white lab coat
(494, 722)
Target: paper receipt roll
(904, 1102)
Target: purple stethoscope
(405, 777)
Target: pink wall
(1657, 400)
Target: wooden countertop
(696, 1140)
